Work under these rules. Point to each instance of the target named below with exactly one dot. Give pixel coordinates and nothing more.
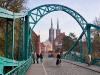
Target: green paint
(81, 47)
(9, 52)
(20, 40)
(89, 41)
(25, 48)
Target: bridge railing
(74, 53)
(79, 51)
(17, 48)
(21, 69)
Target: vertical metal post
(6, 50)
(26, 38)
(9, 52)
(89, 40)
(29, 49)
(13, 39)
(75, 52)
(81, 47)
(20, 39)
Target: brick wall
(58, 38)
(34, 39)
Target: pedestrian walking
(41, 57)
(88, 59)
(34, 57)
(58, 61)
(37, 55)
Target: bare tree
(13, 5)
(96, 38)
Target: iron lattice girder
(9, 39)
(37, 13)
(8, 14)
(92, 25)
(20, 39)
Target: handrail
(16, 70)
(8, 14)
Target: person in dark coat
(37, 55)
(58, 61)
(41, 57)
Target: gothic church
(52, 31)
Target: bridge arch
(37, 13)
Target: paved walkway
(92, 67)
(67, 67)
(36, 69)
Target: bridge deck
(67, 67)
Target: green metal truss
(37, 13)
(31, 18)
(20, 39)
(30, 48)
(26, 37)
(9, 53)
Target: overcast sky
(89, 9)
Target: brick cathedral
(55, 37)
(52, 31)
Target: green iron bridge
(25, 48)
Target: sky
(88, 9)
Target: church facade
(51, 31)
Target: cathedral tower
(51, 33)
(57, 30)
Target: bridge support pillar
(26, 38)
(80, 47)
(20, 40)
(89, 40)
(9, 53)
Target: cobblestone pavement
(65, 68)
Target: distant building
(43, 48)
(34, 41)
(51, 33)
(54, 33)
(57, 43)
(57, 30)
(38, 44)
(46, 46)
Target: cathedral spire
(51, 23)
(57, 24)
(57, 30)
